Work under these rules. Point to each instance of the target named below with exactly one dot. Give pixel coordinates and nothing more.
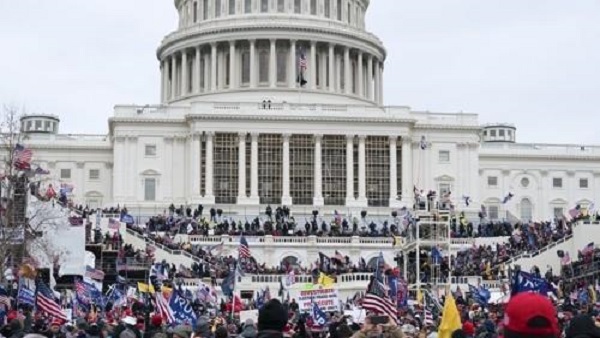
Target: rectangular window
(444, 188)
(263, 66)
(492, 181)
(94, 174)
(559, 212)
(327, 8)
(583, 183)
(264, 6)
(444, 156)
(349, 17)
(492, 133)
(247, 6)
(65, 174)
(313, 7)
(217, 8)
(150, 150)
(493, 212)
(297, 6)
(557, 182)
(501, 132)
(509, 132)
(149, 189)
(282, 59)
(339, 10)
(231, 7)
(195, 13)
(204, 9)
(245, 67)
(281, 6)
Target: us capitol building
(234, 127)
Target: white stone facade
(235, 128)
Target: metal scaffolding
(428, 239)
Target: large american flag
(46, 302)
(244, 249)
(22, 157)
(113, 224)
(164, 308)
(377, 300)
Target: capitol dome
(244, 50)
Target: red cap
(156, 320)
(468, 328)
(531, 314)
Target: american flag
(377, 300)
(76, 221)
(4, 299)
(427, 317)
(46, 302)
(94, 273)
(22, 157)
(113, 224)
(163, 307)
(244, 249)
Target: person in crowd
(582, 326)
(248, 330)
(272, 319)
(530, 315)
(388, 330)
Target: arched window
(263, 66)
(526, 210)
(290, 261)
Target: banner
(249, 314)
(326, 298)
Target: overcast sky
(533, 63)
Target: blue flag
(526, 282)
(480, 294)
(25, 295)
(127, 219)
(319, 317)
(182, 310)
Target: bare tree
(25, 221)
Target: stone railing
(268, 240)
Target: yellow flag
(592, 294)
(325, 280)
(145, 288)
(419, 297)
(450, 318)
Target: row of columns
(318, 200)
(176, 70)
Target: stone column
(197, 71)
(254, 170)
(338, 73)
(213, 66)
(252, 63)
(377, 83)
(331, 67)
(162, 81)
(312, 65)
(359, 73)
(394, 202)
(241, 168)
(347, 77)
(293, 64)
(272, 63)
(209, 193)
(173, 77)
(206, 72)
(380, 72)
(184, 73)
(286, 199)
(195, 165)
(232, 66)
(350, 170)
(362, 171)
(407, 172)
(370, 78)
(318, 175)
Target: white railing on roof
(541, 148)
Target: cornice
(420, 126)
(541, 157)
(286, 118)
(192, 37)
